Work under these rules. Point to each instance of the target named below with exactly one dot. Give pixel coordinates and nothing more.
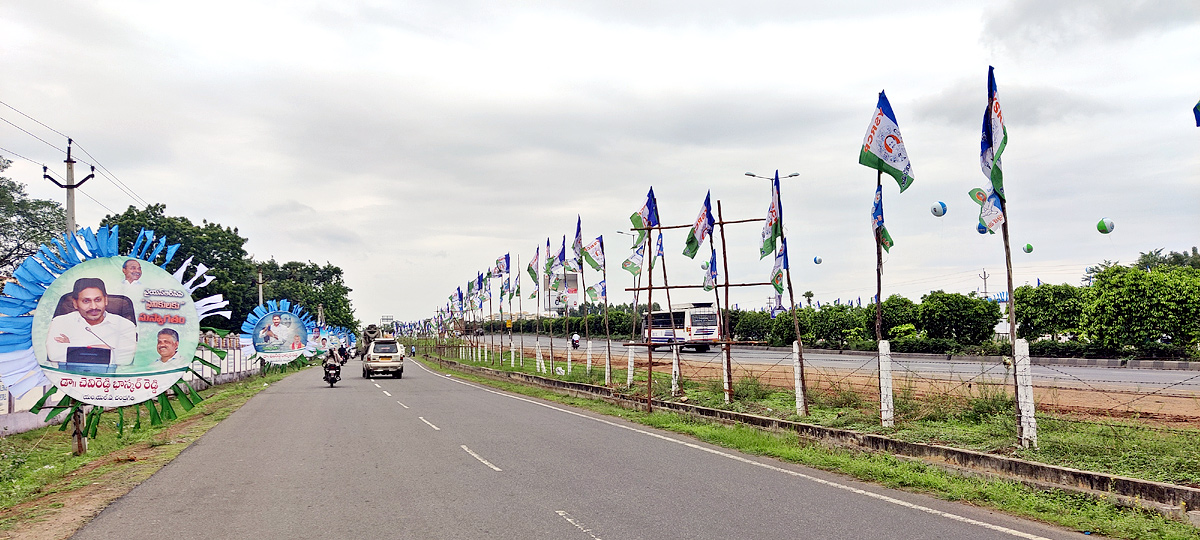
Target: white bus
(695, 325)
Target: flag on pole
(517, 291)
(881, 232)
(995, 137)
(577, 245)
(1196, 111)
(781, 264)
(633, 264)
(773, 228)
(658, 254)
(710, 275)
(532, 268)
(560, 258)
(700, 229)
(990, 213)
(593, 294)
(501, 265)
(883, 148)
(646, 217)
(593, 253)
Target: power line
(7, 121)
(107, 174)
(102, 205)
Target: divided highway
(430, 456)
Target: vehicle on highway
(383, 355)
(333, 373)
(694, 325)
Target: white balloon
(938, 209)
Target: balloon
(816, 260)
(938, 209)
(1028, 248)
(704, 265)
(1105, 226)
(982, 230)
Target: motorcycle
(333, 373)
(574, 343)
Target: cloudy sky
(411, 143)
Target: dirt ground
(1162, 408)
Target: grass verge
(47, 492)
(979, 419)
(1065, 509)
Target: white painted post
(569, 360)
(886, 408)
(675, 370)
(726, 378)
(796, 377)
(537, 351)
(629, 370)
(589, 357)
(1027, 429)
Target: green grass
(1066, 509)
(982, 420)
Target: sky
(412, 143)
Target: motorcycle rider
(575, 340)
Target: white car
(384, 356)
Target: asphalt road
(429, 456)
(1181, 382)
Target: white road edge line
(388, 394)
(402, 405)
(430, 425)
(881, 497)
(480, 458)
(377, 385)
(572, 521)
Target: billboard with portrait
(115, 330)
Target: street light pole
(801, 399)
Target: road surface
(429, 456)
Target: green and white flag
(781, 264)
(593, 253)
(633, 264)
(700, 229)
(883, 149)
(646, 217)
(593, 295)
(773, 228)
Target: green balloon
(1028, 248)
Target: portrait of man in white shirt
(91, 326)
(276, 333)
(168, 345)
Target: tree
(1152, 259)
(753, 326)
(25, 224)
(1133, 307)
(1049, 310)
(965, 319)
(219, 248)
(897, 311)
(808, 296)
(310, 285)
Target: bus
(694, 325)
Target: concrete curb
(1169, 499)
